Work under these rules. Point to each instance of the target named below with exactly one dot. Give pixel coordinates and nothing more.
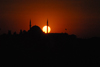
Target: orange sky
(79, 17)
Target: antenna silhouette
(30, 24)
(65, 29)
(47, 26)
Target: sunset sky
(79, 17)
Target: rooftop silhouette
(53, 49)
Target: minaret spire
(47, 26)
(30, 24)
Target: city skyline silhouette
(35, 48)
(41, 29)
(71, 36)
(79, 17)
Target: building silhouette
(34, 29)
(54, 49)
(30, 24)
(47, 26)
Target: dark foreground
(50, 50)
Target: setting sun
(45, 29)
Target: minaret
(47, 26)
(30, 24)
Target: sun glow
(45, 29)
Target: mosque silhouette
(52, 49)
(35, 29)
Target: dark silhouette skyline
(74, 39)
(35, 48)
(80, 17)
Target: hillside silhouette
(35, 48)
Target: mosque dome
(35, 29)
